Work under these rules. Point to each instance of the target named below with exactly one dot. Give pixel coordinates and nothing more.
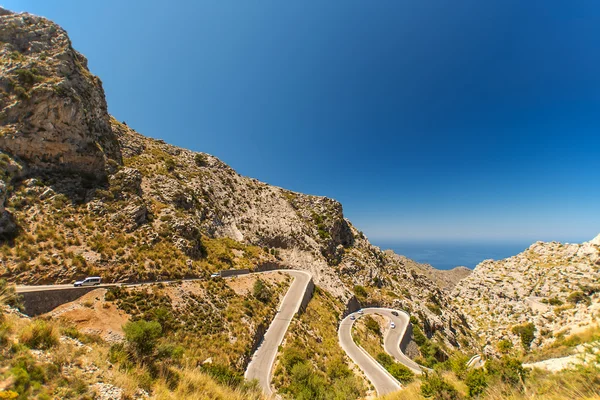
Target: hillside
(87, 195)
(555, 286)
(84, 194)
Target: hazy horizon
(452, 121)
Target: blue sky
(439, 120)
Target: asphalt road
(261, 364)
(393, 337)
(384, 383)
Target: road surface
(261, 364)
(393, 337)
(384, 383)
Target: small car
(395, 313)
(361, 312)
(89, 281)
(352, 317)
(216, 275)
(392, 325)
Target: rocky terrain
(555, 286)
(87, 194)
(445, 279)
(84, 194)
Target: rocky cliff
(555, 286)
(53, 114)
(160, 211)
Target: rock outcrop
(164, 212)
(53, 114)
(553, 285)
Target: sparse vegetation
(527, 333)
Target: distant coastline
(447, 255)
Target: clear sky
(445, 120)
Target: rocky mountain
(86, 194)
(445, 279)
(554, 286)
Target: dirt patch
(92, 314)
(242, 285)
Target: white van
(89, 281)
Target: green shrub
(372, 325)
(360, 292)
(476, 382)
(526, 332)
(397, 370)
(26, 375)
(434, 386)
(142, 336)
(201, 160)
(223, 374)
(508, 369)
(261, 291)
(401, 373)
(578, 297)
(292, 356)
(337, 369)
(39, 335)
(504, 346)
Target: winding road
(381, 379)
(263, 359)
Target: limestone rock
(53, 113)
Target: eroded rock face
(553, 285)
(53, 114)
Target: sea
(447, 255)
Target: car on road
(216, 275)
(392, 325)
(395, 313)
(89, 281)
(361, 312)
(352, 317)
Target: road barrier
(234, 272)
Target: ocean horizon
(447, 255)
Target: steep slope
(54, 114)
(445, 279)
(86, 194)
(553, 285)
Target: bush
(397, 370)
(476, 382)
(508, 369)
(201, 160)
(504, 346)
(402, 373)
(223, 374)
(39, 335)
(372, 325)
(578, 297)
(292, 356)
(360, 291)
(526, 332)
(28, 376)
(142, 336)
(436, 387)
(261, 291)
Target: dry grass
(195, 385)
